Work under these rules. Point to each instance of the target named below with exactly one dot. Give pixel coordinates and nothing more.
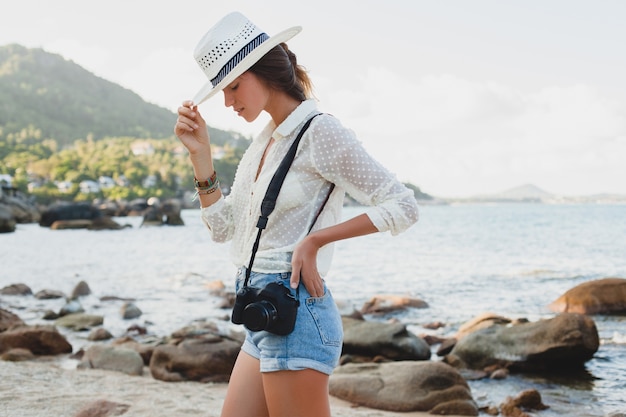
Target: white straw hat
(230, 48)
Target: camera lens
(260, 315)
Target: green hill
(66, 102)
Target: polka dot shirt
(328, 153)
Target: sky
(457, 97)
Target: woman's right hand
(191, 129)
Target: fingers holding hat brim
(208, 91)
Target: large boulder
(40, 340)
(68, 211)
(563, 342)
(404, 386)
(112, 358)
(602, 296)
(364, 338)
(206, 358)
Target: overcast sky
(458, 97)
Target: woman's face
(247, 95)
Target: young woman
(284, 375)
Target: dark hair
(280, 70)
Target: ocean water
(463, 260)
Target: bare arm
(304, 260)
(192, 132)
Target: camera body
(272, 308)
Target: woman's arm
(191, 130)
(304, 260)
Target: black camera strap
(269, 201)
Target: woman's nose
(228, 99)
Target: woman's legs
(245, 396)
(277, 394)
(296, 393)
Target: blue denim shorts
(316, 340)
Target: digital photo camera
(272, 308)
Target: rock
(157, 213)
(130, 311)
(102, 408)
(20, 208)
(216, 287)
(16, 289)
(145, 350)
(14, 209)
(79, 321)
(391, 340)
(9, 320)
(40, 340)
(7, 221)
(136, 329)
(80, 290)
(603, 296)
(388, 303)
(481, 321)
(113, 359)
(72, 307)
(172, 210)
(152, 216)
(565, 341)
(501, 373)
(208, 358)
(17, 355)
(434, 325)
(432, 339)
(404, 386)
(106, 223)
(70, 224)
(99, 334)
(69, 211)
(49, 295)
(528, 400)
(50, 315)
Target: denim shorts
(316, 340)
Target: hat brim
(208, 91)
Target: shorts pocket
(327, 318)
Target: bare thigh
(245, 395)
(297, 393)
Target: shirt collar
(294, 119)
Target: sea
(511, 259)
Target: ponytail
(279, 68)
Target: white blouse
(327, 153)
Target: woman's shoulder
(328, 122)
(327, 127)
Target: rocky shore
(385, 368)
(18, 208)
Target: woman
(284, 375)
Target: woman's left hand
(304, 267)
